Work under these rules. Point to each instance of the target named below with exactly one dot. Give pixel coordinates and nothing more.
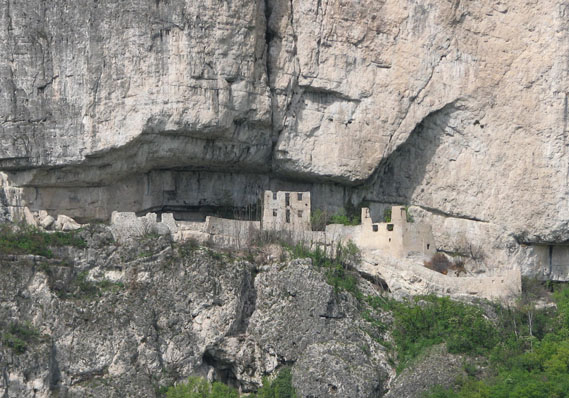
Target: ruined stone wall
(405, 277)
(422, 102)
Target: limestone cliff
(457, 107)
(124, 320)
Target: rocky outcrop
(457, 107)
(123, 320)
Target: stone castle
(393, 250)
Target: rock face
(457, 107)
(123, 320)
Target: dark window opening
(287, 199)
(390, 239)
(300, 213)
(375, 228)
(274, 196)
(428, 246)
(274, 213)
(299, 195)
(390, 227)
(288, 216)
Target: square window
(300, 213)
(390, 227)
(299, 195)
(375, 228)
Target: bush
(387, 215)
(28, 240)
(320, 218)
(280, 387)
(440, 263)
(429, 320)
(19, 335)
(337, 268)
(198, 387)
(524, 365)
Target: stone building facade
(286, 211)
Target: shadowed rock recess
(457, 107)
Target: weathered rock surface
(122, 320)
(435, 368)
(457, 107)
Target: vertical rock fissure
(248, 295)
(5, 382)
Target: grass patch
(28, 240)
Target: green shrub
(524, 365)
(387, 215)
(320, 218)
(341, 217)
(280, 387)
(187, 248)
(429, 320)
(337, 268)
(410, 218)
(28, 240)
(198, 387)
(19, 335)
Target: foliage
(341, 217)
(318, 220)
(530, 358)
(347, 216)
(387, 215)
(337, 267)
(410, 218)
(187, 248)
(279, 387)
(82, 288)
(19, 335)
(430, 320)
(28, 240)
(197, 387)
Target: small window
(299, 195)
(390, 239)
(274, 196)
(288, 216)
(428, 246)
(390, 227)
(375, 228)
(300, 213)
(274, 213)
(287, 199)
